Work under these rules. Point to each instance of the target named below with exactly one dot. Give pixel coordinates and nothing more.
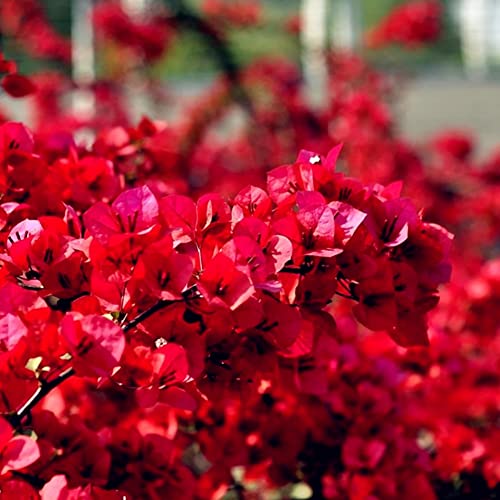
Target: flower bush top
(173, 301)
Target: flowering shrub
(167, 332)
(175, 304)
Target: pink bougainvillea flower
(390, 221)
(161, 272)
(221, 283)
(12, 329)
(16, 452)
(134, 211)
(95, 342)
(377, 305)
(14, 138)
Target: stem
(351, 297)
(63, 305)
(43, 389)
(189, 294)
(347, 286)
(291, 270)
(15, 419)
(187, 18)
(161, 304)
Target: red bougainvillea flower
(7, 66)
(133, 212)
(390, 220)
(96, 343)
(147, 39)
(94, 180)
(237, 13)
(412, 24)
(161, 272)
(16, 452)
(156, 374)
(208, 345)
(15, 138)
(13, 83)
(222, 284)
(454, 144)
(377, 305)
(26, 22)
(17, 85)
(359, 453)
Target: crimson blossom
(162, 307)
(13, 83)
(412, 24)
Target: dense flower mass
(173, 302)
(182, 318)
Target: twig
(16, 419)
(43, 389)
(189, 294)
(189, 19)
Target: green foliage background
(190, 58)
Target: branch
(16, 419)
(63, 305)
(187, 18)
(161, 304)
(189, 294)
(350, 297)
(43, 389)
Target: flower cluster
(146, 39)
(173, 302)
(26, 21)
(166, 332)
(235, 13)
(412, 24)
(14, 84)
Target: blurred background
(449, 83)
